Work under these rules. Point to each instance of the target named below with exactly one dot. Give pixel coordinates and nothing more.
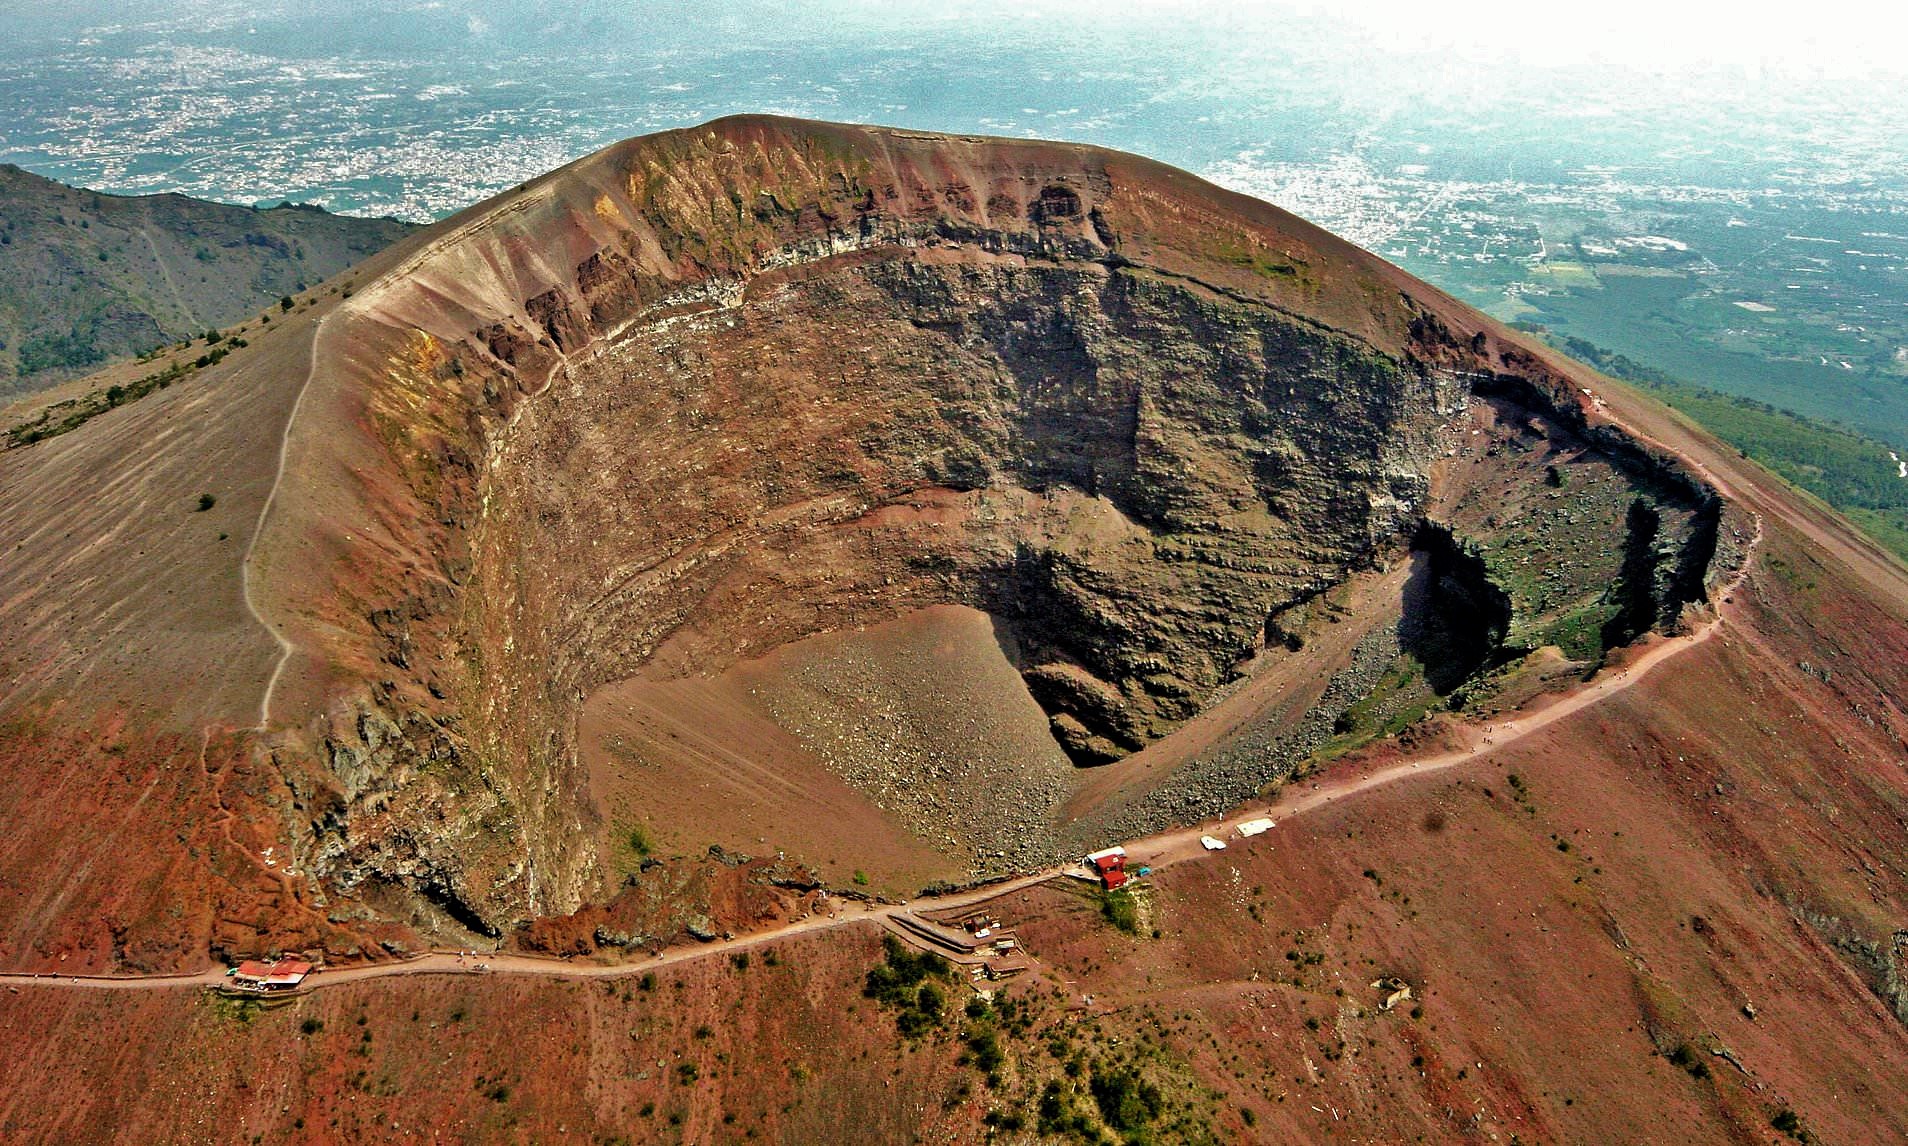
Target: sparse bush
(1689, 1059)
(905, 981)
(312, 1025)
(1786, 1121)
(1121, 910)
(1127, 1101)
(206, 501)
(984, 1042)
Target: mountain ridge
(87, 277)
(659, 559)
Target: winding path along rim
(1156, 851)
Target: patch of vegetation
(1401, 698)
(1844, 467)
(910, 983)
(1787, 1121)
(1121, 909)
(68, 350)
(983, 1043)
(63, 417)
(1690, 1059)
(1253, 258)
(1127, 1100)
(1579, 634)
(235, 1009)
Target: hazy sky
(209, 96)
(1822, 39)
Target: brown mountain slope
(86, 277)
(714, 393)
(766, 379)
(896, 501)
(1735, 846)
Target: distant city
(1741, 238)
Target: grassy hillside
(86, 278)
(1852, 471)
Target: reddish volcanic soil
(788, 1047)
(1670, 914)
(743, 759)
(1585, 942)
(176, 851)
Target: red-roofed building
(1111, 865)
(279, 975)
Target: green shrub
(1690, 1059)
(1121, 910)
(905, 980)
(1126, 1100)
(984, 1042)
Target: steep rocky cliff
(714, 391)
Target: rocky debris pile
(1260, 754)
(701, 898)
(720, 391)
(940, 750)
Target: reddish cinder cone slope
(919, 508)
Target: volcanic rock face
(711, 392)
(1131, 474)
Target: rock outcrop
(709, 392)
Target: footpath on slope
(1158, 851)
